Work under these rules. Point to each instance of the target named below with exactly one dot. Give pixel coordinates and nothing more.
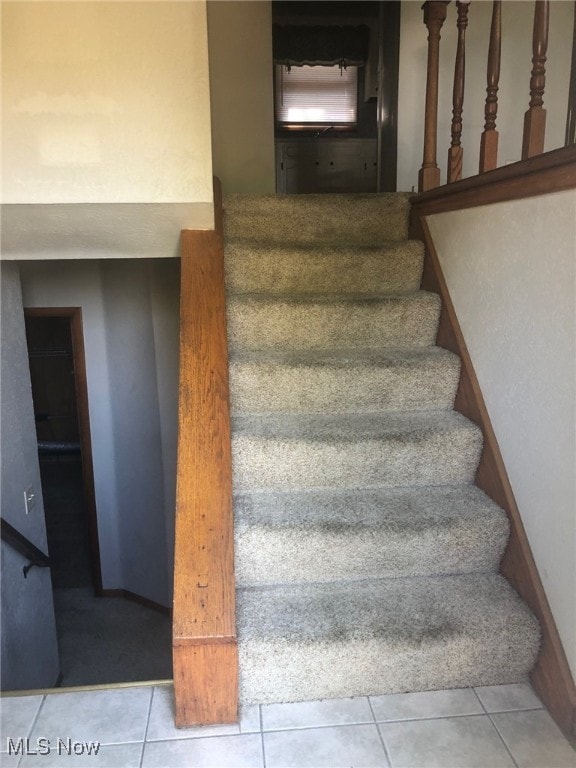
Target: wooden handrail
(550, 172)
(535, 117)
(456, 153)
(434, 16)
(489, 139)
(204, 643)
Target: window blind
(316, 95)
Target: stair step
(311, 641)
(282, 452)
(262, 267)
(262, 322)
(365, 219)
(366, 534)
(343, 381)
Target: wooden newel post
(489, 140)
(434, 16)
(535, 117)
(456, 152)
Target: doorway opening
(336, 70)
(60, 397)
(105, 636)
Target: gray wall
(130, 317)
(29, 647)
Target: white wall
(130, 318)
(106, 139)
(29, 647)
(511, 273)
(241, 96)
(514, 92)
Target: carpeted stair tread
(279, 451)
(269, 267)
(358, 219)
(365, 557)
(288, 322)
(351, 428)
(343, 380)
(308, 641)
(365, 534)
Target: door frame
(74, 314)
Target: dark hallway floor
(110, 640)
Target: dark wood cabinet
(326, 165)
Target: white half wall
(510, 270)
(130, 312)
(513, 94)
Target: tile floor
(491, 727)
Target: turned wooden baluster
(434, 16)
(535, 117)
(489, 140)
(455, 153)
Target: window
(316, 96)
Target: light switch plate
(29, 499)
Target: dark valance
(326, 46)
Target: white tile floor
(491, 727)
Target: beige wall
(517, 21)
(105, 102)
(240, 48)
(511, 274)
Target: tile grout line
(261, 719)
(502, 739)
(40, 708)
(152, 692)
(382, 741)
(34, 721)
(390, 722)
(479, 700)
(489, 715)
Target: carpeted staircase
(366, 559)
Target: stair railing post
(489, 140)
(535, 117)
(434, 17)
(456, 152)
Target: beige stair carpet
(366, 559)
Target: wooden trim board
(551, 172)
(205, 655)
(551, 677)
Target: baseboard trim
(128, 595)
(78, 688)
(551, 677)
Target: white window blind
(316, 95)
